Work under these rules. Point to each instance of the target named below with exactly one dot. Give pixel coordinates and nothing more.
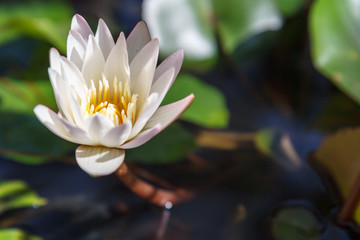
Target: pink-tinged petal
(55, 62)
(117, 64)
(142, 70)
(76, 47)
(99, 161)
(93, 63)
(152, 103)
(144, 114)
(104, 38)
(98, 125)
(117, 135)
(162, 86)
(52, 121)
(137, 39)
(142, 137)
(169, 113)
(80, 25)
(78, 135)
(173, 61)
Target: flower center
(116, 102)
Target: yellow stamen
(116, 102)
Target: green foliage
(336, 43)
(239, 20)
(169, 146)
(233, 21)
(209, 107)
(16, 234)
(16, 194)
(296, 223)
(22, 96)
(23, 138)
(290, 7)
(47, 21)
(264, 140)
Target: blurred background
(269, 147)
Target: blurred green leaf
(23, 138)
(290, 7)
(191, 24)
(209, 107)
(173, 144)
(296, 223)
(336, 43)
(21, 96)
(264, 140)
(339, 155)
(239, 20)
(48, 21)
(16, 194)
(16, 234)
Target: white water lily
(108, 94)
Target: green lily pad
(16, 194)
(16, 234)
(49, 21)
(172, 145)
(209, 107)
(336, 43)
(21, 96)
(296, 223)
(234, 21)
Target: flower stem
(159, 196)
(347, 211)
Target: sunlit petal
(99, 161)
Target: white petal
(93, 63)
(142, 137)
(76, 111)
(104, 38)
(99, 161)
(80, 25)
(52, 121)
(76, 47)
(59, 87)
(117, 63)
(142, 70)
(117, 135)
(55, 60)
(137, 39)
(98, 125)
(73, 78)
(144, 114)
(78, 135)
(173, 61)
(169, 113)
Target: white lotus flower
(108, 94)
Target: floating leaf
(336, 43)
(191, 24)
(209, 107)
(296, 223)
(239, 20)
(290, 7)
(339, 155)
(16, 194)
(22, 96)
(49, 21)
(24, 139)
(173, 144)
(16, 234)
